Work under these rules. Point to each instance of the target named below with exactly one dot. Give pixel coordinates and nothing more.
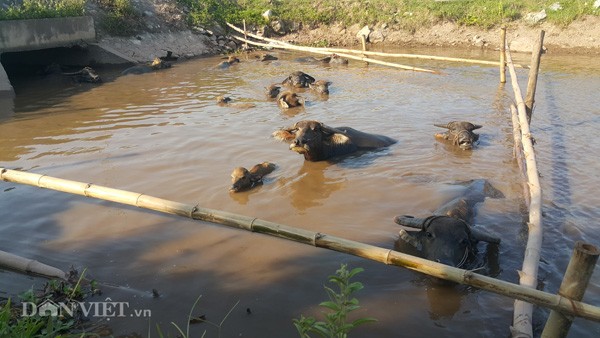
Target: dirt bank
(164, 28)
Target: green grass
(39, 9)
(403, 14)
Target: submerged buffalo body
(243, 179)
(460, 133)
(156, 64)
(318, 142)
(447, 236)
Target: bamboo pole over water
(522, 327)
(578, 274)
(275, 43)
(29, 266)
(536, 55)
(503, 55)
(387, 256)
(301, 48)
(518, 153)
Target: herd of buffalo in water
(446, 236)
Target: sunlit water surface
(163, 135)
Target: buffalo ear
(476, 126)
(406, 237)
(285, 135)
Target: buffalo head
(87, 74)
(243, 179)
(320, 86)
(273, 91)
(460, 133)
(157, 64)
(289, 99)
(298, 79)
(318, 142)
(443, 239)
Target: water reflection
(310, 186)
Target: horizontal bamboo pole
(29, 266)
(528, 275)
(301, 48)
(325, 50)
(387, 256)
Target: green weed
(340, 304)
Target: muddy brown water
(162, 134)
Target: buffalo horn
(476, 126)
(409, 221)
(442, 125)
(481, 235)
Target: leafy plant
(340, 304)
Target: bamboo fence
(317, 239)
(273, 43)
(522, 326)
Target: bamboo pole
(275, 43)
(578, 274)
(518, 153)
(387, 256)
(29, 266)
(536, 55)
(245, 36)
(503, 55)
(528, 274)
(301, 48)
(363, 40)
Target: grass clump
(14, 322)
(121, 19)
(39, 9)
(340, 304)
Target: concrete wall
(6, 89)
(23, 35)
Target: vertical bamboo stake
(533, 74)
(503, 55)
(363, 40)
(245, 35)
(578, 274)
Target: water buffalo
(265, 57)
(333, 59)
(226, 101)
(273, 91)
(289, 99)
(318, 142)
(156, 64)
(243, 179)
(447, 236)
(298, 79)
(231, 60)
(86, 74)
(460, 133)
(320, 86)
